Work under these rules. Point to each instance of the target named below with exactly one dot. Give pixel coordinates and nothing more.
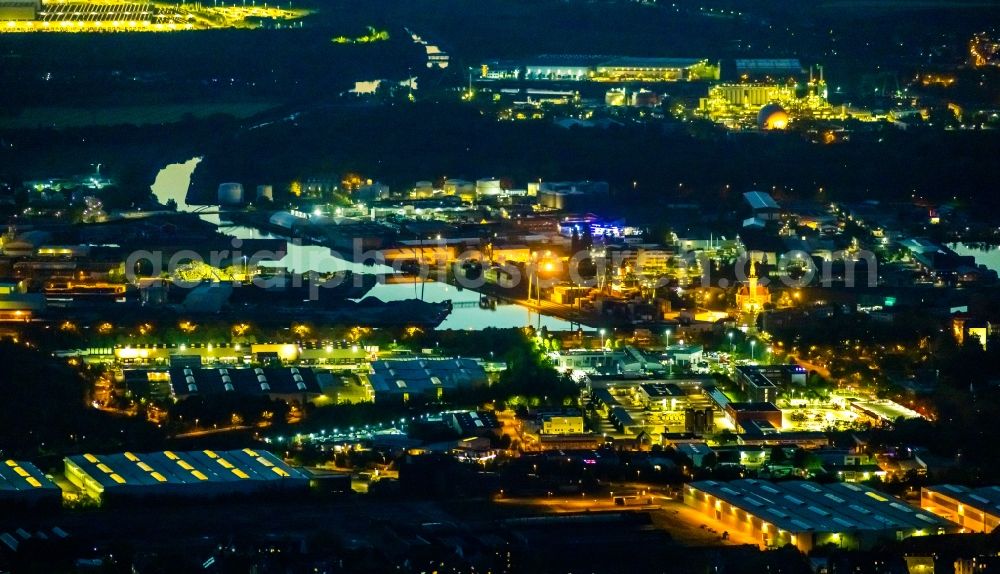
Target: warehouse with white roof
(807, 515)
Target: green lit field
(71, 117)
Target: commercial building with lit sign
(807, 515)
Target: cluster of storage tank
(232, 193)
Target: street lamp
(602, 339)
(732, 349)
(752, 344)
(668, 338)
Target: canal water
(173, 181)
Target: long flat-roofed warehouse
(22, 484)
(807, 515)
(401, 379)
(182, 474)
(974, 509)
(293, 384)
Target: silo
(487, 186)
(265, 192)
(230, 193)
(423, 189)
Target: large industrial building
(580, 68)
(343, 357)
(655, 70)
(402, 380)
(182, 474)
(762, 383)
(290, 384)
(974, 509)
(23, 484)
(807, 515)
(13, 10)
(571, 194)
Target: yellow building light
(199, 475)
(877, 497)
(117, 478)
(240, 473)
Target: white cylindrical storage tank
(265, 192)
(230, 193)
(488, 186)
(423, 188)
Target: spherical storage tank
(230, 193)
(772, 117)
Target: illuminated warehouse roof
(760, 200)
(21, 480)
(270, 381)
(193, 473)
(800, 506)
(975, 509)
(415, 376)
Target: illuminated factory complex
(767, 106)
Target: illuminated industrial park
(493, 286)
